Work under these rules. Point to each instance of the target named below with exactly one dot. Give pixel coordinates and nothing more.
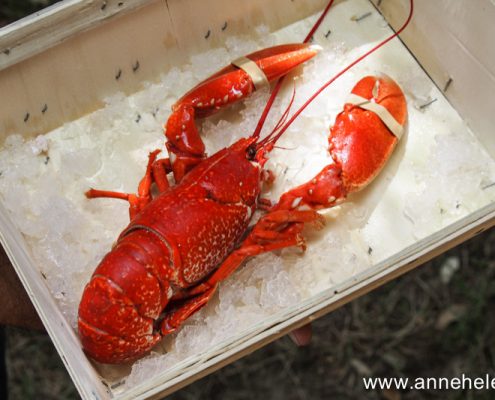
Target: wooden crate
(85, 45)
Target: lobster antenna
(343, 71)
(278, 85)
(285, 115)
(282, 119)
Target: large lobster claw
(366, 132)
(223, 88)
(237, 80)
(360, 143)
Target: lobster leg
(137, 201)
(175, 318)
(360, 142)
(227, 86)
(160, 169)
(274, 231)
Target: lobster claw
(279, 60)
(360, 142)
(229, 85)
(366, 132)
(238, 79)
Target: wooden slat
(453, 41)
(42, 30)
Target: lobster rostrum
(180, 244)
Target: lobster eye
(251, 153)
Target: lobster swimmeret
(179, 245)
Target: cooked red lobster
(179, 245)
(177, 239)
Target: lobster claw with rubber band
(360, 143)
(227, 86)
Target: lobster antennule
(284, 116)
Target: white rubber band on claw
(382, 113)
(251, 68)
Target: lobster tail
(125, 296)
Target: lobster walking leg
(160, 169)
(175, 318)
(140, 200)
(274, 231)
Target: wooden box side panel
(71, 79)
(453, 41)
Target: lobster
(181, 243)
(178, 238)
